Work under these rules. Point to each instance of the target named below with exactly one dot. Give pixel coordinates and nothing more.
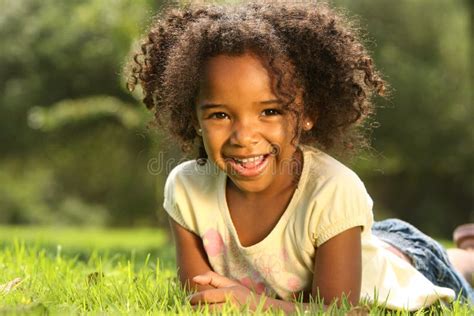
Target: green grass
(96, 271)
(134, 244)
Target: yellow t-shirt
(329, 199)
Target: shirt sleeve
(341, 203)
(176, 200)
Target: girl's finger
(214, 279)
(209, 296)
(202, 279)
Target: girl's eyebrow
(270, 101)
(207, 106)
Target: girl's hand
(223, 289)
(214, 279)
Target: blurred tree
(422, 168)
(53, 50)
(86, 155)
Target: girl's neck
(255, 215)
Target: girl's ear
(307, 124)
(196, 125)
(198, 130)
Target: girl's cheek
(282, 131)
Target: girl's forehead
(244, 74)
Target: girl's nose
(244, 134)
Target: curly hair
(305, 46)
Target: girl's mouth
(248, 167)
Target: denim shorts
(427, 255)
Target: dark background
(76, 149)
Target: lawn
(96, 271)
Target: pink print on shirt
(294, 284)
(258, 287)
(284, 255)
(260, 273)
(269, 266)
(213, 243)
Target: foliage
(74, 149)
(421, 167)
(24, 201)
(67, 112)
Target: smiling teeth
(249, 160)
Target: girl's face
(244, 129)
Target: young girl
(263, 211)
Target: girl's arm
(337, 271)
(190, 257)
(338, 267)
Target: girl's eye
(271, 112)
(218, 115)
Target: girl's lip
(239, 169)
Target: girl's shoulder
(189, 187)
(193, 174)
(324, 167)
(333, 196)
